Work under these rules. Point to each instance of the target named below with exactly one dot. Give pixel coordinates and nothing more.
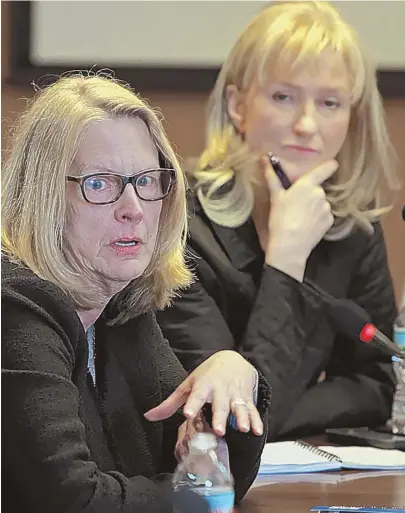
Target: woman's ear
(236, 107)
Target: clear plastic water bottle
(202, 472)
(397, 421)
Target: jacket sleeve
(360, 383)
(277, 343)
(45, 450)
(245, 449)
(273, 341)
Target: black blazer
(241, 304)
(69, 447)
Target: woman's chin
(126, 272)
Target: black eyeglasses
(105, 188)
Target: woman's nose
(306, 124)
(129, 206)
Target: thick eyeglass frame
(125, 180)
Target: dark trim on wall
(162, 79)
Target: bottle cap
(203, 442)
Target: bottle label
(399, 337)
(220, 502)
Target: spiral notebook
(300, 457)
(323, 477)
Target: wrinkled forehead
(122, 145)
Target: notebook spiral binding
(319, 452)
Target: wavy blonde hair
(34, 201)
(292, 34)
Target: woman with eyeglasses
(297, 83)
(93, 229)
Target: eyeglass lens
(104, 188)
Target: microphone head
(367, 333)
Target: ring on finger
(238, 402)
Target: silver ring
(238, 402)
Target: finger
(194, 426)
(220, 412)
(241, 413)
(180, 452)
(198, 396)
(206, 427)
(320, 194)
(273, 181)
(256, 423)
(321, 173)
(170, 405)
(187, 431)
(182, 441)
(201, 425)
(198, 424)
(182, 430)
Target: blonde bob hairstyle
(293, 35)
(34, 200)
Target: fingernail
(259, 431)
(199, 426)
(244, 427)
(188, 413)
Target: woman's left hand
(226, 380)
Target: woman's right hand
(299, 218)
(187, 432)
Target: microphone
(353, 321)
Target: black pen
(275, 163)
